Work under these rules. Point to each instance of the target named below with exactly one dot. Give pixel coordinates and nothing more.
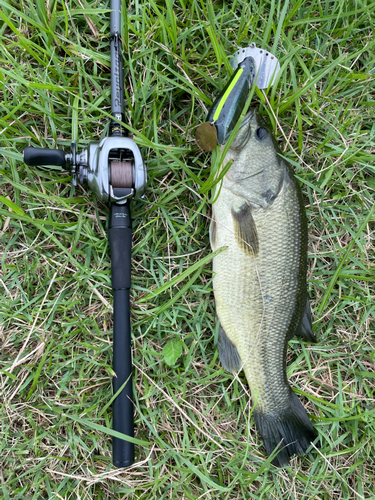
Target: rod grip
(122, 408)
(120, 240)
(39, 157)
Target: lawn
(55, 308)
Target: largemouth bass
(260, 282)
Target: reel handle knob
(39, 157)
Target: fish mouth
(249, 115)
(242, 138)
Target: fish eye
(261, 133)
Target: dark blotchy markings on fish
(260, 282)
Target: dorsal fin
(304, 329)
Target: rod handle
(39, 157)
(122, 407)
(120, 240)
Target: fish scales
(260, 281)
(255, 299)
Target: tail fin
(290, 428)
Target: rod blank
(117, 76)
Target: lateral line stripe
(226, 95)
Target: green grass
(55, 307)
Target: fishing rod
(113, 169)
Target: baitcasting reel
(112, 168)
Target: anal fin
(229, 357)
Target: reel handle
(39, 157)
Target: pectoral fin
(245, 230)
(305, 329)
(229, 357)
